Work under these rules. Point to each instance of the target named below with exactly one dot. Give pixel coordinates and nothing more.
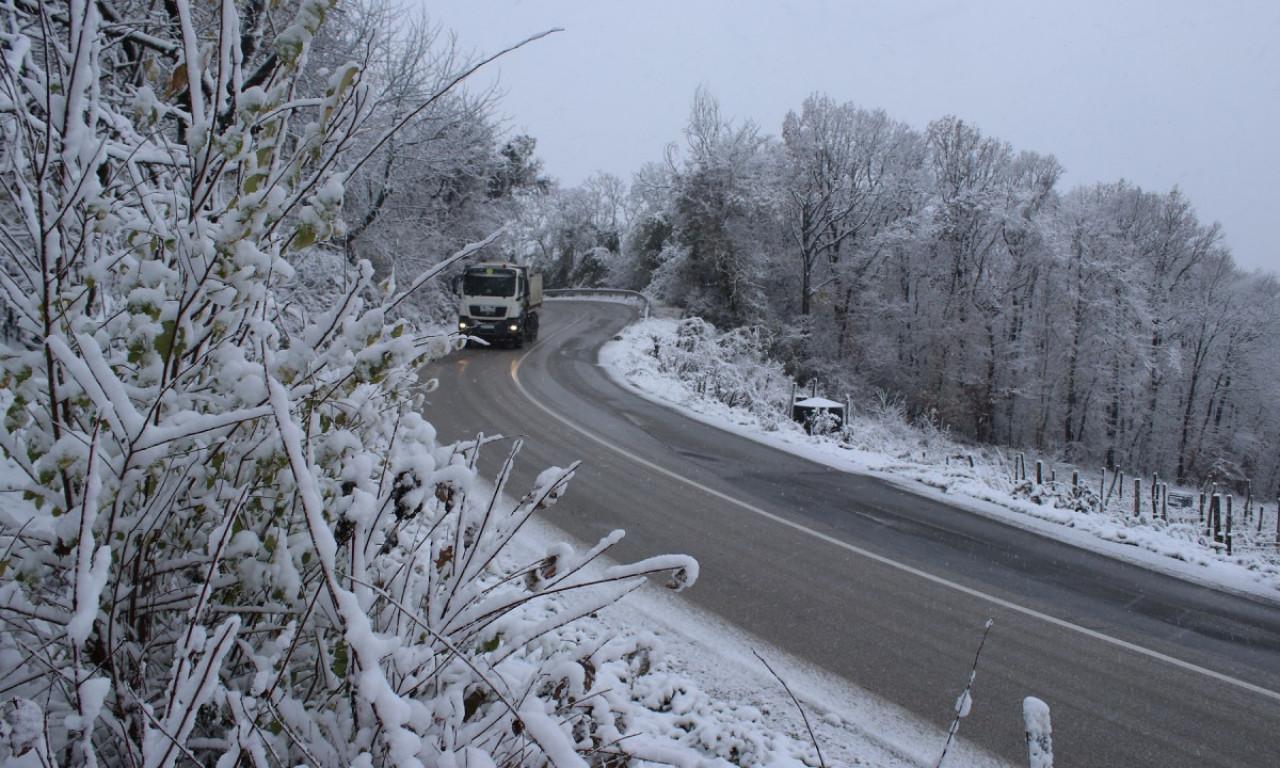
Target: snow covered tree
(241, 542)
(572, 234)
(720, 226)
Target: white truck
(500, 303)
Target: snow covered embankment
(722, 379)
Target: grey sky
(1158, 93)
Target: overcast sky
(1158, 93)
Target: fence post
(1039, 472)
(1215, 517)
(1229, 536)
(1164, 503)
(1120, 482)
(1035, 715)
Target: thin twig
(803, 716)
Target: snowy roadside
(926, 464)
(707, 690)
(728, 695)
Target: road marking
(854, 549)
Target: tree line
(1106, 324)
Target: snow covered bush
(240, 542)
(729, 367)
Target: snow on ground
(734, 696)
(932, 465)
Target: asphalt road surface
(874, 584)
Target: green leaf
(305, 236)
(340, 659)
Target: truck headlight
(463, 325)
(513, 327)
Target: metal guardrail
(569, 293)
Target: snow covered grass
(722, 379)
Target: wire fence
(1223, 521)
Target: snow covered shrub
(731, 367)
(240, 543)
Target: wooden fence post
(1039, 472)
(1218, 506)
(1228, 534)
(1137, 497)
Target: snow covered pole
(1035, 713)
(965, 701)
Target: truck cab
(499, 303)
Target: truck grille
(482, 310)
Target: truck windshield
(489, 282)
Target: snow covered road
(879, 586)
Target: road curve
(876, 585)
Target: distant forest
(1104, 325)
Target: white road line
(1245, 685)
